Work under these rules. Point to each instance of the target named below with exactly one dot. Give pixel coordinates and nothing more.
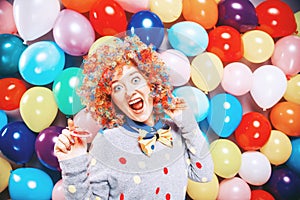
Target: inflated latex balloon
(41, 62)
(30, 183)
(79, 5)
(38, 108)
(297, 17)
(259, 194)
(134, 6)
(3, 119)
(7, 20)
(35, 18)
(5, 173)
(11, 48)
(58, 191)
(168, 11)
(17, 142)
(234, 189)
(73, 32)
(294, 159)
(292, 93)
(101, 41)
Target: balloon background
(235, 61)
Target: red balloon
(253, 131)
(226, 43)
(276, 18)
(108, 18)
(261, 195)
(12, 90)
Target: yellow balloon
(258, 46)
(227, 158)
(4, 173)
(278, 148)
(297, 17)
(167, 10)
(203, 191)
(38, 108)
(206, 71)
(102, 40)
(292, 93)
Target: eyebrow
(130, 74)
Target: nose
(130, 89)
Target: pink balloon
(84, 121)
(178, 65)
(234, 189)
(134, 6)
(286, 54)
(7, 18)
(73, 32)
(237, 79)
(58, 191)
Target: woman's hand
(179, 106)
(68, 146)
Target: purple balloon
(44, 147)
(239, 14)
(17, 142)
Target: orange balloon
(79, 5)
(203, 12)
(285, 116)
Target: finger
(60, 147)
(65, 141)
(68, 134)
(71, 124)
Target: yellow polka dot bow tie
(147, 143)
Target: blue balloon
(3, 119)
(17, 142)
(41, 62)
(294, 160)
(225, 114)
(188, 37)
(30, 184)
(148, 26)
(11, 48)
(196, 99)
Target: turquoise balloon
(30, 184)
(11, 48)
(294, 159)
(188, 37)
(196, 99)
(64, 90)
(41, 62)
(3, 119)
(225, 114)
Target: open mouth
(136, 104)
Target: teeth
(134, 101)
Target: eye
(136, 80)
(118, 88)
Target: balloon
(12, 90)
(178, 66)
(108, 17)
(255, 168)
(41, 62)
(234, 189)
(73, 32)
(293, 161)
(253, 131)
(258, 46)
(35, 18)
(100, 41)
(297, 17)
(286, 54)
(285, 117)
(30, 184)
(226, 156)
(8, 24)
(225, 113)
(226, 43)
(5, 173)
(269, 86)
(276, 18)
(11, 48)
(237, 78)
(79, 5)
(292, 93)
(204, 191)
(64, 90)
(58, 191)
(195, 99)
(278, 148)
(44, 146)
(206, 71)
(188, 37)
(17, 142)
(148, 26)
(168, 11)
(38, 108)
(259, 194)
(85, 121)
(239, 14)
(204, 12)
(3, 119)
(134, 6)
(283, 184)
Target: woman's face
(131, 94)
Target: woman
(140, 154)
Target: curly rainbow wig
(108, 58)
